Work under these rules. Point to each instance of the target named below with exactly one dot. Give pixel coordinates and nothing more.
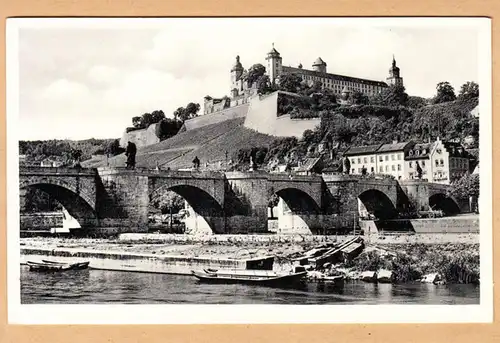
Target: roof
(393, 147)
(309, 164)
(362, 150)
(420, 151)
(332, 76)
(319, 61)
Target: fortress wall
(262, 117)
(141, 137)
(213, 118)
(285, 126)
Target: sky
(87, 80)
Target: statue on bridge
(196, 163)
(346, 165)
(130, 153)
(419, 170)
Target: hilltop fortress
(260, 112)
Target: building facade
(381, 159)
(335, 82)
(438, 162)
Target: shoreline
(409, 258)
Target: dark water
(98, 286)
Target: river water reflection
(99, 286)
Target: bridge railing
(56, 170)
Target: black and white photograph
(339, 164)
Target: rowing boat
(255, 277)
(53, 266)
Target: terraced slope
(209, 143)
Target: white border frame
(236, 314)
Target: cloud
(103, 74)
(65, 90)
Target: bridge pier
(123, 201)
(246, 202)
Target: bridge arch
(377, 203)
(202, 203)
(441, 201)
(78, 202)
(299, 212)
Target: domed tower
(394, 78)
(274, 65)
(236, 72)
(319, 65)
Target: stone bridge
(232, 202)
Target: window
(365, 159)
(393, 157)
(399, 156)
(359, 170)
(372, 170)
(387, 157)
(438, 151)
(393, 167)
(423, 163)
(381, 169)
(411, 164)
(441, 162)
(359, 160)
(352, 171)
(399, 167)
(372, 159)
(380, 158)
(386, 168)
(353, 161)
(437, 163)
(410, 175)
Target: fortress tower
(236, 74)
(274, 65)
(394, 78)
(319, 65)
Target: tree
(394, 95)
(465, 187)
(358, 98)
(416, 102)
(168, 202)
(445, 93)
(264, 85)
(179, 113)
(254, 73)
(76, 154)
(147, 119)
(168, 128)
(137, 122)
(468, 90)
(290, 82)
(157, 116)
(273, 202)
(114, 148)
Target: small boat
(255, 277)
(52, 266)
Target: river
(99, 286)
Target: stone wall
(459, 224)
(41, 221)
(263, 117)
(218, 117)
(141, 137)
